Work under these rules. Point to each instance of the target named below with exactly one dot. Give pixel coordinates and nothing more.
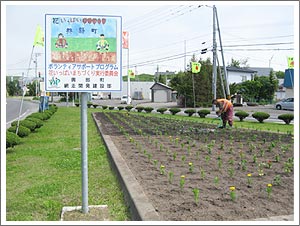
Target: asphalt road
(13, 106)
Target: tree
(13, 88)
(239, 63)
(183, 84)
(279, 74)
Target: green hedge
(161, 110)
(26, 123)
(287, 118)
(148, 109)
(12, 139)
(203, 112)
(22, 131)
(128, 107)
(174, 111)
(190, 112)
(260, 116)
(139, 108)
(241, 115)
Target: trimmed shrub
(104, 107)
(22, 131)
(203, 112)
(12, 139)
(237, 105)
(111, 107)
(174, 111)
(95, 105)
(241, 115)
(161, 110)
(190, 112)
(287, 118)
(148, 109)
(139, 108)
(39, 123)
(26, 123)
(128, 107)
(120, 108)
(260, 116)
(37, 115)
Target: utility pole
(224, 67)
(214, 78)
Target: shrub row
(259, 116)
(28, 125)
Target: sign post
(83, 53)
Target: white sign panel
(83, 53)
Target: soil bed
(160, 151)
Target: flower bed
(195, 172)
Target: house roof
(261, 71)
(161, 85)
(237, 69)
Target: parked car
(285, 104)
(124, 99)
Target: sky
(163, 36)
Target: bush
(22, 131)
(111, 107)
(139, 108)
(237, 105)
(128, 107)
(190, 112)
(26, 123)
(161, 110)
(148, 109)
(203, 112)
(260, 116)
(104, 107)
(241, 115)
(120, 108)
(39, 123)
(252, 104)
(12, 139)
(287, 118)
(37, 115)
(95, 105)
(174, 111)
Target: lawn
(43, 173)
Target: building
(161, 93)
(238, 75)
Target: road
(13, 109)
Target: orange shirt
(226, 104)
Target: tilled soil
(160, 151)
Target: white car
(124, 99)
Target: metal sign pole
(84, 165)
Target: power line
(261, 44)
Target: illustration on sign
(83, 53)
(83, 40)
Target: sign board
(83, 53)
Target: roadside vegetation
(43, 172)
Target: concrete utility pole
(214, 77)
(224, 67)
